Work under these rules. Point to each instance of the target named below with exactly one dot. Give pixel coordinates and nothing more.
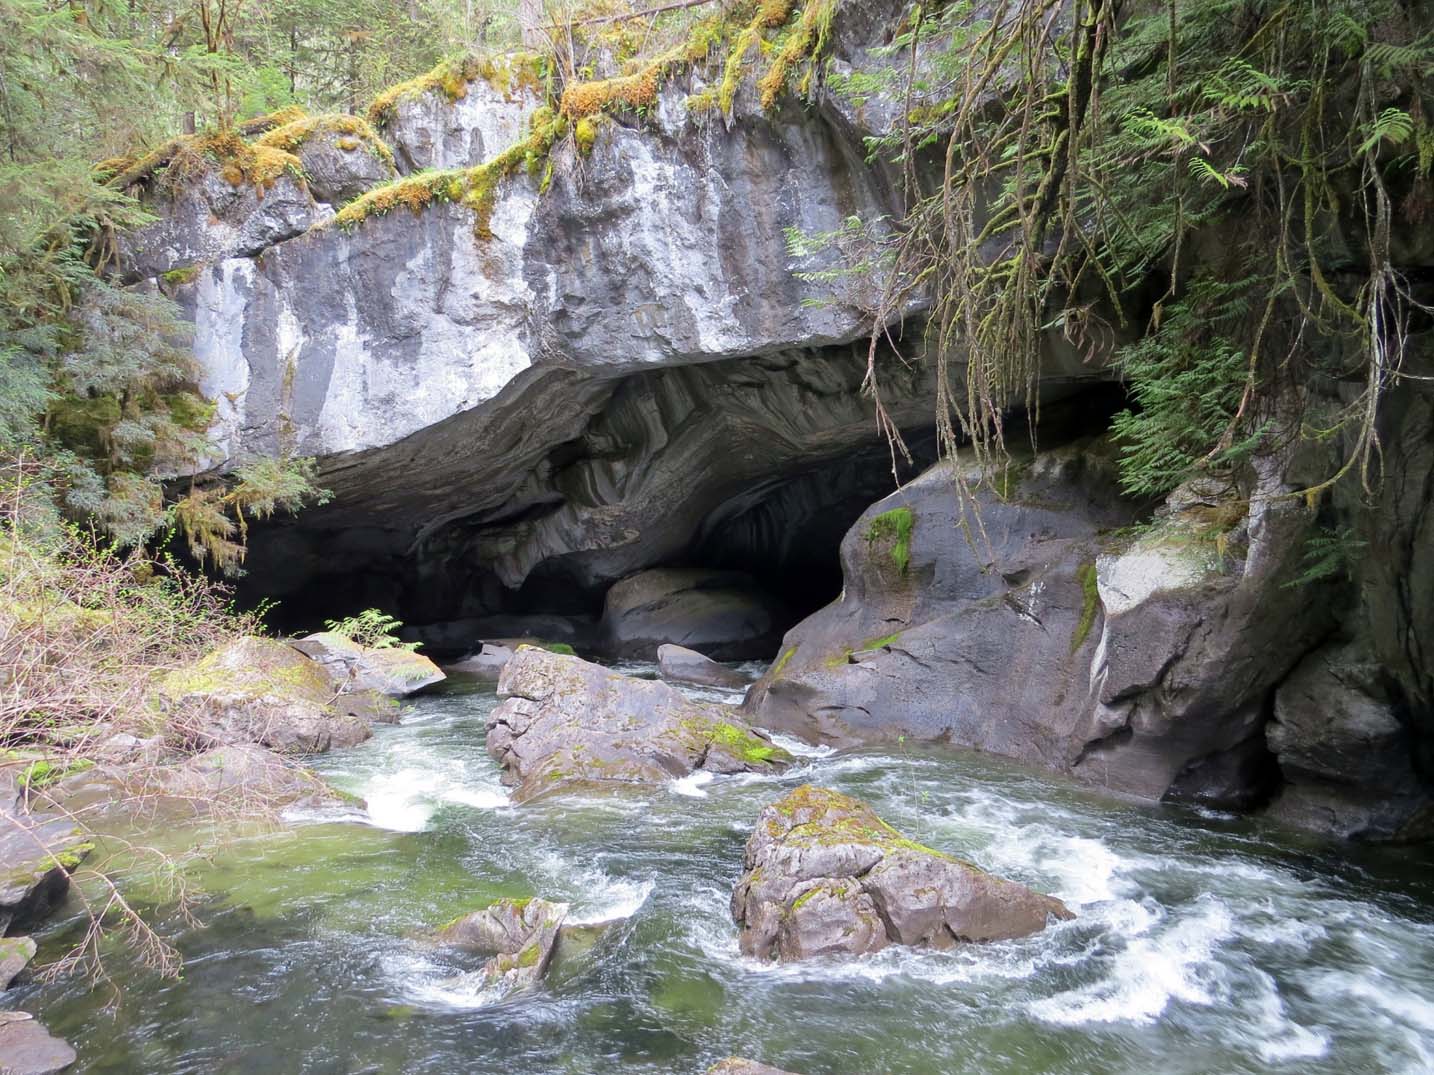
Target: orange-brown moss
(183, 159)
(353, 129)
(805, 43)
(476, 188)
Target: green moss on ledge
(476, 187)
(894, 526)
(508, 74)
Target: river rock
(487, 664)
(520, 935)
(683, 665)
(392, 670)
(38, 849)
(15, 956)
(27, 1048)
(824, 875)
(1347, 758)
(258, 690)
(736, 1065)
(566, 722)
(1034, 628)
(722, 614)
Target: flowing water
(1202, 944)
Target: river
(1202, 944)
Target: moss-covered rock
(257, 690)
(824, 875)
(520, 936)
(39, 849)
(567, 722)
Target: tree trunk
(530, 21)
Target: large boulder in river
(824, 875)
(258, 690)
(1028, 623)
(722, 614)
(392, 670)
(736, 1065)
(681, 665)
(566, 722)
(521, 937)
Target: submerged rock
(688, 666)
(566, 722)
(736, 1065)
(391, 670)
(15, 956)
(824, 875)
(723, 614)
(520, 935)
(27, 1048)
(258, 690)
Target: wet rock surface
(27, 1048)
(1348, 760)
(823, 875)
(521, 936)
(568, 723)
(681, 665)
(1041, 630)
(15, 956)
(38, 850)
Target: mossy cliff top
(730, 46)
(291, 137)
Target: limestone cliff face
(527, 386)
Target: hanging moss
(184, 159)
(476, 187)
(805, 43)
(508, 74)
(637, 89)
